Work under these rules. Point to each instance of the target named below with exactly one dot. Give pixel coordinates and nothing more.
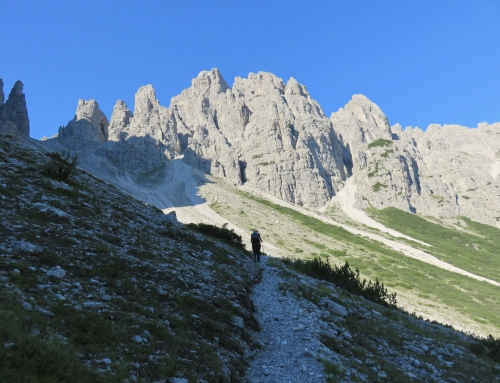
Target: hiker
(256, 241)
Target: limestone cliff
(273, 136)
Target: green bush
(346, 278)
(489, 343)
(379, 142)
(375, 171)
(221, 233)
(61, 166)
(386, 153)
(378, 186)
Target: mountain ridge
(275, 137)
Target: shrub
(386, 153)
(378, 186)
(61, 166)
(375, 171)
(489, 343)
(346, 278)
(221, 233)
(379, 142)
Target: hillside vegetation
(99, 287)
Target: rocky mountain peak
(361, 121)
(2, 95)
(18, 88)
(143, 140)
(299, 100)
(276, 138)
(88, 129)
(145, 100)
(14, 110)
(89, 111)
(210, 81)
(120, 118)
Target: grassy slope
(476, 251)
(440, 290)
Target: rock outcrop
(384, 171)
(87, 130)
(445, 171)
(13, 112)
(143, 140)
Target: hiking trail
(289, 334)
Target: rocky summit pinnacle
(13, 113)
(2, 95)
(88, 129)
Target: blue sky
(421, 61)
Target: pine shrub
(346, 278)
(61, 166)
(221, 233)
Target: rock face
(442, 172)
(13, 112)
(262, 132)
(87, 130)
(143, 140)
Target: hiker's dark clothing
(256, 240)
(256, 252)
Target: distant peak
(210, 79)
(295, 87)
(120, 105)
(2, 95)
(89, 110)
(147, 90)
(145, 100)
(361, 99)
(18, 87)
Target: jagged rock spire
(2, 95)
(14, 109)
(88, 129)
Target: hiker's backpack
(255, 238)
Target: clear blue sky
(421, 61)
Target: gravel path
(289, 334)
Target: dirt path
(289, 334)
